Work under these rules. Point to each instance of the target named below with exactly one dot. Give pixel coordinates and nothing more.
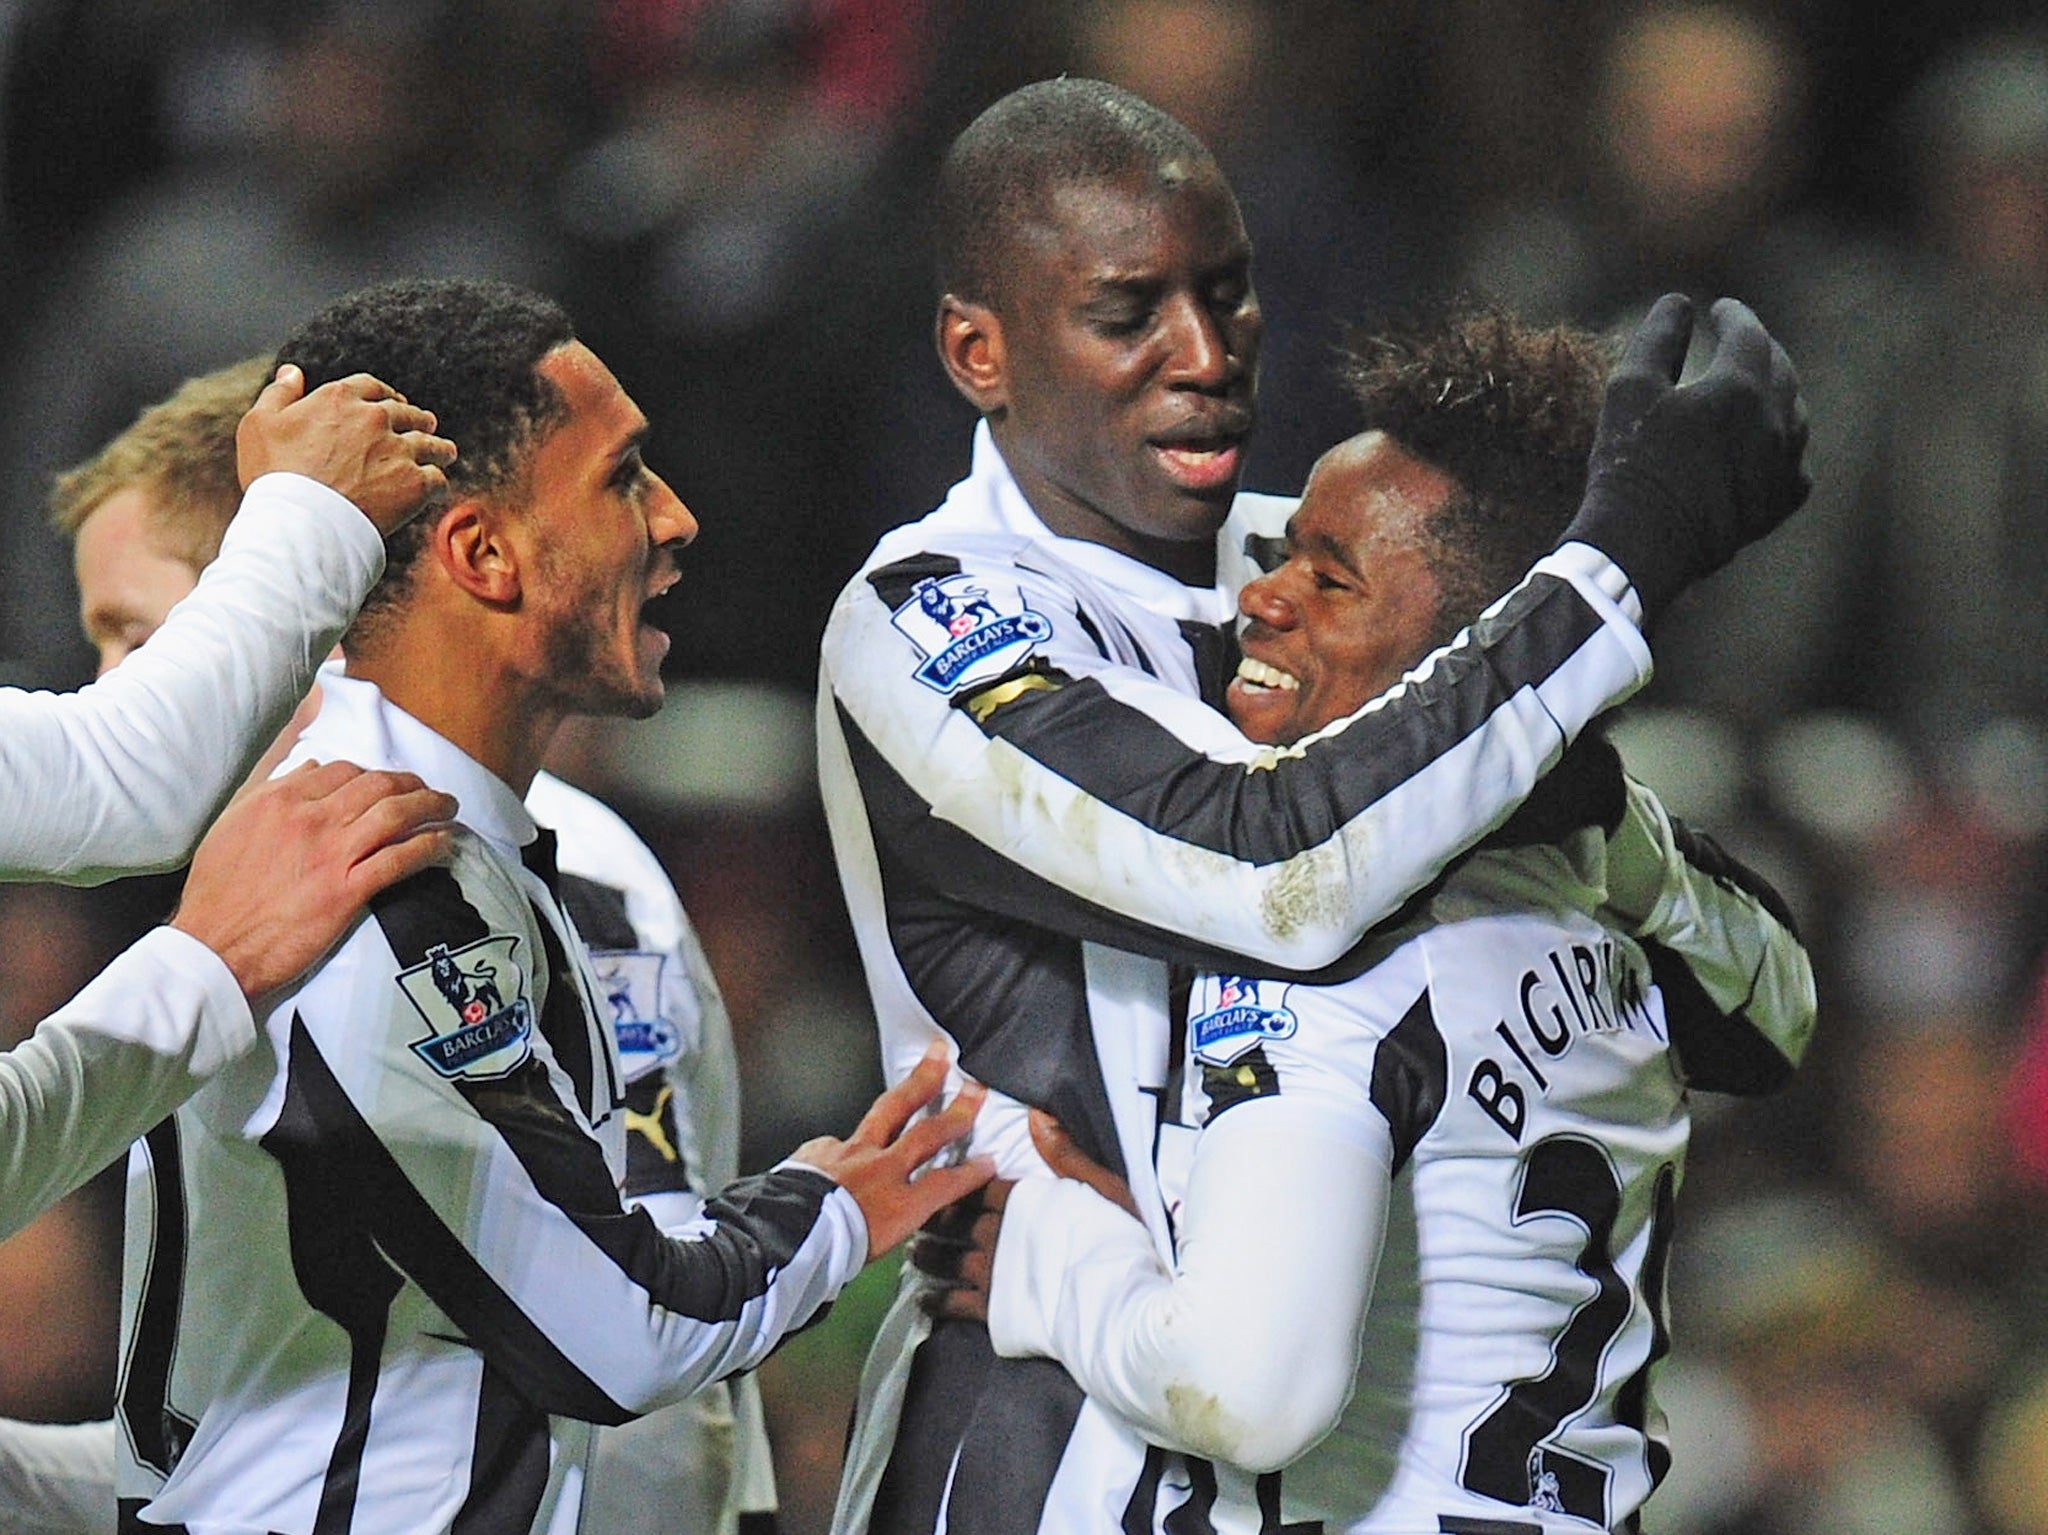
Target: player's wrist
(1644, 533)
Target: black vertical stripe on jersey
(563, 1021)
(1128, 761)
(508, 1462)
(335, 1260)
(1144, 1501)
(345, 1190)
(1014, 996)
(1717, 1052)
(1009, 987)
(1457, 1524)
(1271, 1522)
(947, 1373)
(565, 1024)
(1213, 654)
(344, 1479)
(1410, 1078)
(599, 912)
(759, 1521)
(1012, 1450)
(1197, 1515)
(153, 1433)
(1631, 1405)
(1087, 621)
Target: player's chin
(1265, 715)
(644, 701)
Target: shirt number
(1510, 1454)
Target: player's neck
(487, 710)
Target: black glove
(1681, 478)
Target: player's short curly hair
(1506, 409)
(469, 351)
(998, 173)
(181, 451)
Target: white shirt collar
(358, 724)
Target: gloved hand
(1682, 477)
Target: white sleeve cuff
(849, 1233)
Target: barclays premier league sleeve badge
(630, 982)
(473, 1000)
(969, 629)
(1229, 1014)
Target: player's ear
(970, 342)
(469, 541)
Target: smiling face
(1123, 362)
(1356, 601)
(602, 530)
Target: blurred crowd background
(730, 196)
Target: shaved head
(998, 178)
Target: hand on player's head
(291, 864)
(880, 1163)
(356, 435)
(1683, 475)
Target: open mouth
(661, 610)
(1202, 457)
(1257, 676)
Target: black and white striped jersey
(701, 1464)
(378, 1275)
(1424, 1230)
(1035, 815)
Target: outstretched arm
(123, 776)
(280, 878)
(1061, 791)
(476, 1172)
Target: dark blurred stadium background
(730, 196)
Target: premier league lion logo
(472, 993)
(968, 629)
(475, 1032)
(649, 1033)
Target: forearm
(124, 775)
(1737, 982)
(1246, 1352)
(1064, 803)
(133, 1045)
